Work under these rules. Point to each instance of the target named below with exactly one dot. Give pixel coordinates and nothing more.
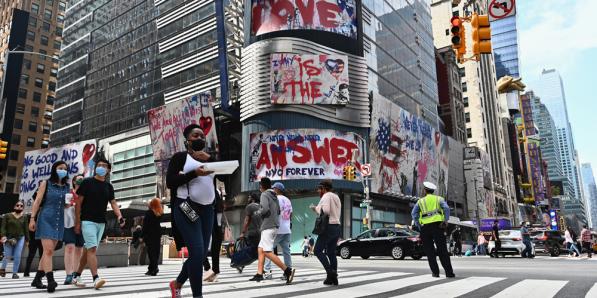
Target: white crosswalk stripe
(592, 293)
(533, 288)
(455, 288)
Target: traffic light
(3, 149)
(458, 37)
(481, 34)
(349, 173)
(345, 173)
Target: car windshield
(510, 233)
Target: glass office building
(504, 39)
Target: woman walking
(216, 241)
(14, 234)
(325, 247)
(570, 239)
(193, 192)
(49, 226)
(73, 242)
(152, 234)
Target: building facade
(30, 82)
(590, 189)
(451, 106)
(504, 42)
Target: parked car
(549, 242)
(395, 242)
(511, 241)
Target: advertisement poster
(535, 169)
(405, 151)
(302, 154)
(337, 16)
(309, 79)
(37, 165)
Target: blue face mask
(61, 173)
(101, 171)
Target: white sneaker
(78, 282)
(268, 275)
(98, 283)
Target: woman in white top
(325, 247)
(73, 242)
(569, 237)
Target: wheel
(398, 252)
(364, 257)
(416, 256)
(555, 251)
(345, 252)
(503, 255)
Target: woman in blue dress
(49, 211)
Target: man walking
(526, 240)
(495, 236)
(90, 218)
(587, 240)
(431, 214)
(269, 210)
(283, 236)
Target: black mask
(197, 145)
(17, 211)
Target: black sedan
(394, 242)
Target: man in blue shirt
(526, 240)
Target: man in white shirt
(283, 236)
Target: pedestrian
(570, 240)
(47, 220)
(152, 234)
(306, 247)
(14, 233)
(139, 244)
(431, 214)
(457, 239)
(252, 223)
(95, 193)
(192, 191)
(325, 247)
(586, 237)
(284, 231)
(481, 244)
(217, 236)
(73, 242)
(311, 245)
(269, 210)
(495, 236)
(33, 246)
(526, 240)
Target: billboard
(337, 16)
(37, 165)
(303, 153)
(405, 151)
(309, 79)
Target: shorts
(267, 239)
(70, 237)
(92, 233)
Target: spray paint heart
(206, 124)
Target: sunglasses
(19, 206)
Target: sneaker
(208, 275)
(15, 276)
(78, 281)
(257, 278)
(289, 274)
(240, 269)
(212, 278)
(176, 293)
(268, 275)
(98, 283)
(68, 280)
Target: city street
(377, 277)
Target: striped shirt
(585, 235)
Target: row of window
(33, 126)
(41, 68)
(44, 40)
(187, 21)
(46, 27)
(36, 95)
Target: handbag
(321, 223)
(227, 231)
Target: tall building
(451, 107)
(550, 146)
(590, 189)
(30, 81)
(504, 42)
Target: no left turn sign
(499, 9)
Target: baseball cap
(279, 186)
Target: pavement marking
(533, 288)
(592, 293)
(455, 288)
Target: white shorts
(267, 239)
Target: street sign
(363, 205)
(499, 9)
(366, 169)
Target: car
(511, 241)
(395, 242)
(551, 242)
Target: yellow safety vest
(430, 209)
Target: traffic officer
(431, 214)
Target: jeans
(573, 248)
(328, 242)
(430, 234)
(14, 252)
(284, 241)
(196, 237)
(528, 249)
(481, 249)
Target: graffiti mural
(405, 151)
(309, 79)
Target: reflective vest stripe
(432, 214)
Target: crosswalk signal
(3, 149)
(458, 37)
(481, 34)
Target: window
(16, 139)
(44, 40)
(24, 79)
(52, 86)
(57, 45)
(46, 129)
(469, 133)
(46, 26)
(36, 96)
(49, 3)
(32, 126)
(59, 31)
(12, 172)
(61, 6)
(41, 68)
(29, 48)
(48, 14)
(9, 187)
(33, 21)
(50, 100)
(30, 142)
(31, 35)
(60, 19)
(34, 8)
(18, 124)
(27, 63)
(465, 102)
(35, 111)
(45, 143)
(467, 117)
(54, 72)
(23, 93)
(42, 52)
(14, 155)
(39, 83)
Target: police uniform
(429, 213)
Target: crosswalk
(360, 282)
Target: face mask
(61, 173)
(101, 171)
(17, 211)
(197, 145)
(79, 181)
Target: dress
(50, 221)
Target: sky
(562, 35)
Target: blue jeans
(196, 237)
(573, 248)
(528, 249)
(284, 241)
(325, 248)
(15, 252)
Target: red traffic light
(455, 21)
